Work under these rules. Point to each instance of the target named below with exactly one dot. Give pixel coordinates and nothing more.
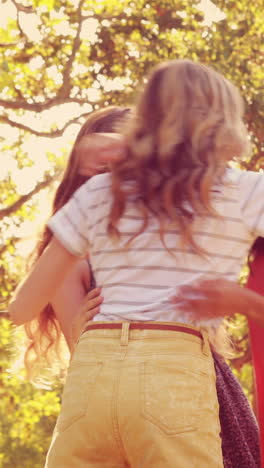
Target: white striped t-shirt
(137, 281)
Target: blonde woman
(141, 385)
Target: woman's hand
(206, 299)
(97, 151)
(88, 309)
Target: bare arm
(69, 297)
(73, 305)
(38, 289)
(219, 297)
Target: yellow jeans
(138, 399)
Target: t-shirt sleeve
(251, 197)
(70, 224)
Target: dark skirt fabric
(239, 429)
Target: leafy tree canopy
(59, 60)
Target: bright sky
(35, 147)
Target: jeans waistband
(144, 326)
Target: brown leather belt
(144, 326)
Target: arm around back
(39, 287)
(69, 297)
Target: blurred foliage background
(59, 60)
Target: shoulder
(245, 181)
(99, 182)
(95, 188)
(94, 192)
(251, 188)
(240, 176)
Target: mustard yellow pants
(138, 399)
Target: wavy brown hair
(186, 125)
(44, 332)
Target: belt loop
(124, 334)
(206, 344)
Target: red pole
(257, 346)
(256, 283)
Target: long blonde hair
(186, 125)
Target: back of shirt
(138, 278)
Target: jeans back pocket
(172, 396)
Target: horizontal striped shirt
(139, 279)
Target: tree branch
(52, 134)
(9, 210)
(101, 17)
(66, 82)
(41, 106)
(3, 248)
(22, 8)
(10, 44)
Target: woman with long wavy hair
(57, 318)
(141, 385)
